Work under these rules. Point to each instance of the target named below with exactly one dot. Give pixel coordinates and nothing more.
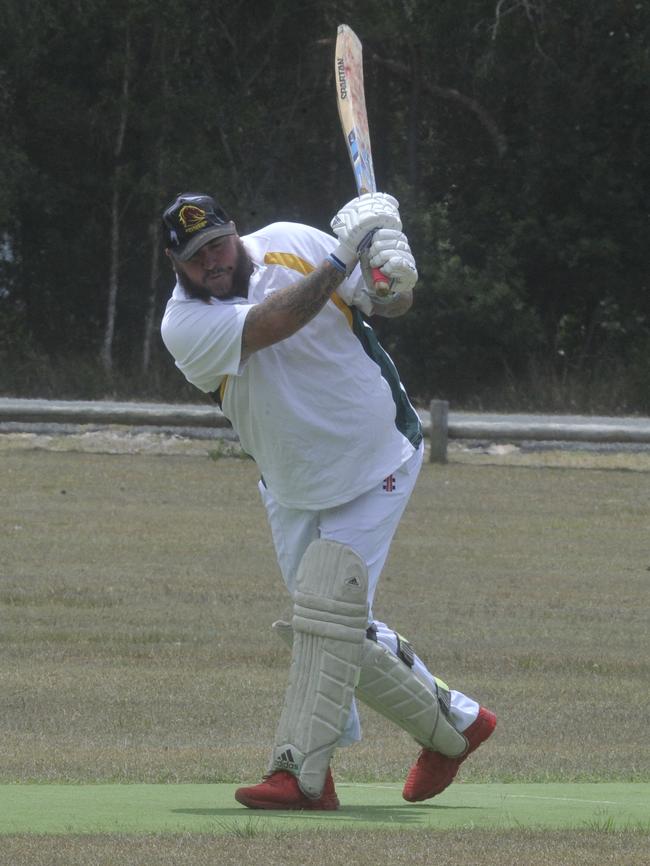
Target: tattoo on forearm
(305, 299)
(286, 311)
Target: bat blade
(351, 101)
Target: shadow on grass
(380, 814)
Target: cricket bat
(351, 103)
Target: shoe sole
(250, 803)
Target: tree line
(513, 132)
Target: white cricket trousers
(367, 524)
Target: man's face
(220, 268)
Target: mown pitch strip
(206, 808)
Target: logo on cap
(192, 218)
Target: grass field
(136, 597)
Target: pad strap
(391, 687)
(395, 690)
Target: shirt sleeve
(312, 246)
(204, 339)
(317, 246)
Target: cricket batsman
(274, 325)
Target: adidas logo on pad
(286, 761)
(352, 581)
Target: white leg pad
(330, 618)
(394, 690)
(391, 688)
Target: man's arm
(286, 311)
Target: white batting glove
(355, 224)
(389, 251)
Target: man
(272, 325)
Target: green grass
(137, 593)
(189, 808)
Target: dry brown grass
(362, 848)
(136, 595)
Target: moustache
(218, 272)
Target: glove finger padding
(388, 239)
(400, 269)
(390, 251)
(356, 222)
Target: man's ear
(169, 255)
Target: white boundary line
(505, 795)
(567, 799)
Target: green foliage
(513, 133)
(471, 323)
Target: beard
(240, 277)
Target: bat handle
(382, 284)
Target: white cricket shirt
(323, 412)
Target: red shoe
(280, 790)
(433, 772)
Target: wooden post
(439, 410)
